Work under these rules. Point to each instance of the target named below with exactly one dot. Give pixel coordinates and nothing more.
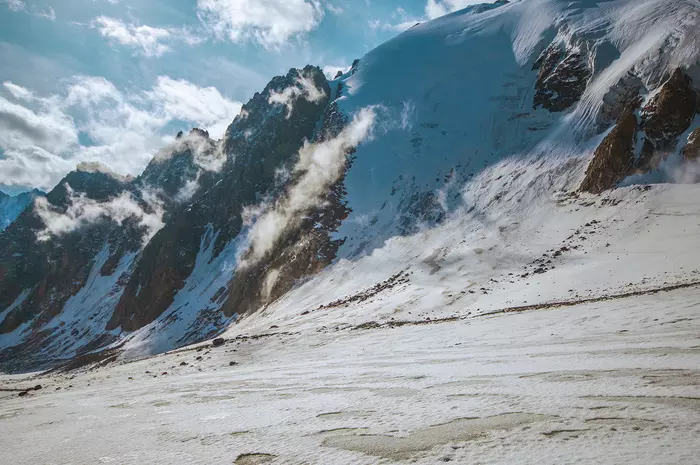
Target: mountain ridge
(565, 108)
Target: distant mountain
(481, 117)
(12, 207)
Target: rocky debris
(396, 280)
(232, 364)
(183, 364)
(563, 76)
(254, 459)
(665, 117)
(219, 341)
(614, 157)
(691, 151)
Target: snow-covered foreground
(609, 382)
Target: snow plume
(83, 211)
(319, 166)
(305, 88)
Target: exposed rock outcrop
(614, 157)
(563, 76)
(264, 138)
(665, 117)
(691, 151)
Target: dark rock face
(614, 157)
(691, 151)
(302, 251)
(260, 141)
(619, 97)
(665, 117)
(562, 79)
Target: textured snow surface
(611, 382)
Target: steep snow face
(12, 207)
(458, 99)
(466, 200)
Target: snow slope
(481, 309)
(12, 207)
(610, 382)
(463, 186)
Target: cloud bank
(42, 138)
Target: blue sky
(111, 81)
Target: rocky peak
(200, 133)
(263, 139)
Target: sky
(112, 81)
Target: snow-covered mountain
(11, 207)
(468, 165)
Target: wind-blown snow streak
(320, 165)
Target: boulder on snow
(614, 157)
(219, 341)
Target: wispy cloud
(83, 211)
(304, 88)
(147, 40)
(21, 6)
(269, 23)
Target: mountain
(447, 171)
(12, 207)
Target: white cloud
(305, 88)
(319, 166)
(401, 21)
(268, 22)
(331, 71)
(90, 120)
(47, 13)
(83, 211)
(436, 8)
(21, 6)
(20, 93)
(336, 10)
(16, 5)
(148, 39)
(204, 106)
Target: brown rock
(691, 151)
(562, 78)
(665, 117)
(614, 157)
(219, 341)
